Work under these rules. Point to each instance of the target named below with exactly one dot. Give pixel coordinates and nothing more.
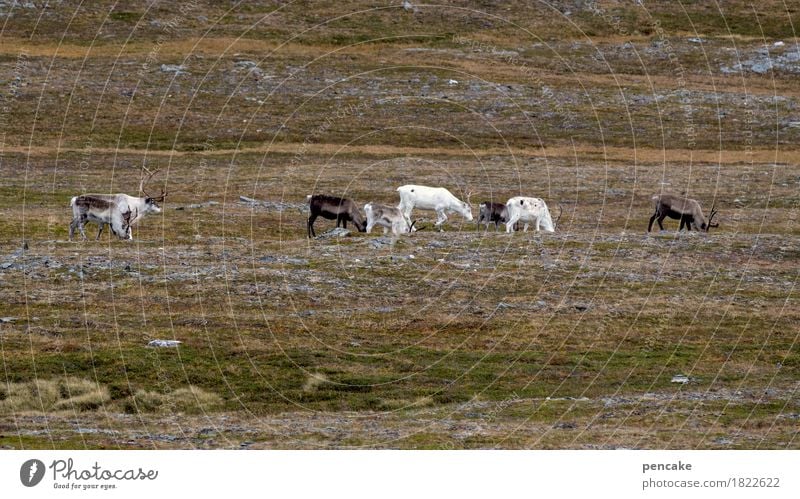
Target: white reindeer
(437, 199)
(528, 210)
(120, 211)
(388, 217)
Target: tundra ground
(597, 336)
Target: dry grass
(189, 400)
(52, 396)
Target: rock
(581, 307)
(164, 343)
(695, 40)
(380, 242)
(565, 426)
(7, 320)
(197, 205)
(761, 67)
(680, 378)
(245, 64)
(337, 232)
(6, 265)
(178, 69)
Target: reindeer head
(151, 202)
(467, 208)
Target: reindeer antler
(560, 211)
(147, 179)
(711, 216)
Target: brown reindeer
(332, 208)
(686, 210)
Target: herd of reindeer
(121, 211)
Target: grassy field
(458, 339)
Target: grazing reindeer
(492, 213)
(438, 199)
(686, 210)
(120, 211)
(528, 210)
(332, 208)
(388, 217)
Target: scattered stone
(7, 320)
(6, 265)
(380, 242)
(178, 69)
(565, 426)
(197, 205)
(337, 232)
(164, 343)
(581, 307)
(723, 441)
(274, 205)
(680, 378)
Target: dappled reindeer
(388, 217)
(437, 199)
(120, 211)
(529, 210)
(686, 210)
(342, 210)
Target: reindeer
(438, 199)
(388, 217)
(686, 210)
(490, 212)
(120, 211)
(529, 210)
(332, 208)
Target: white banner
(378, 474)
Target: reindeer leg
(81, 224)
(661, 219)
(310, 227)
(510, 223)
(441, 218)
(652, 219)
(72, 226)
(100, 231)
